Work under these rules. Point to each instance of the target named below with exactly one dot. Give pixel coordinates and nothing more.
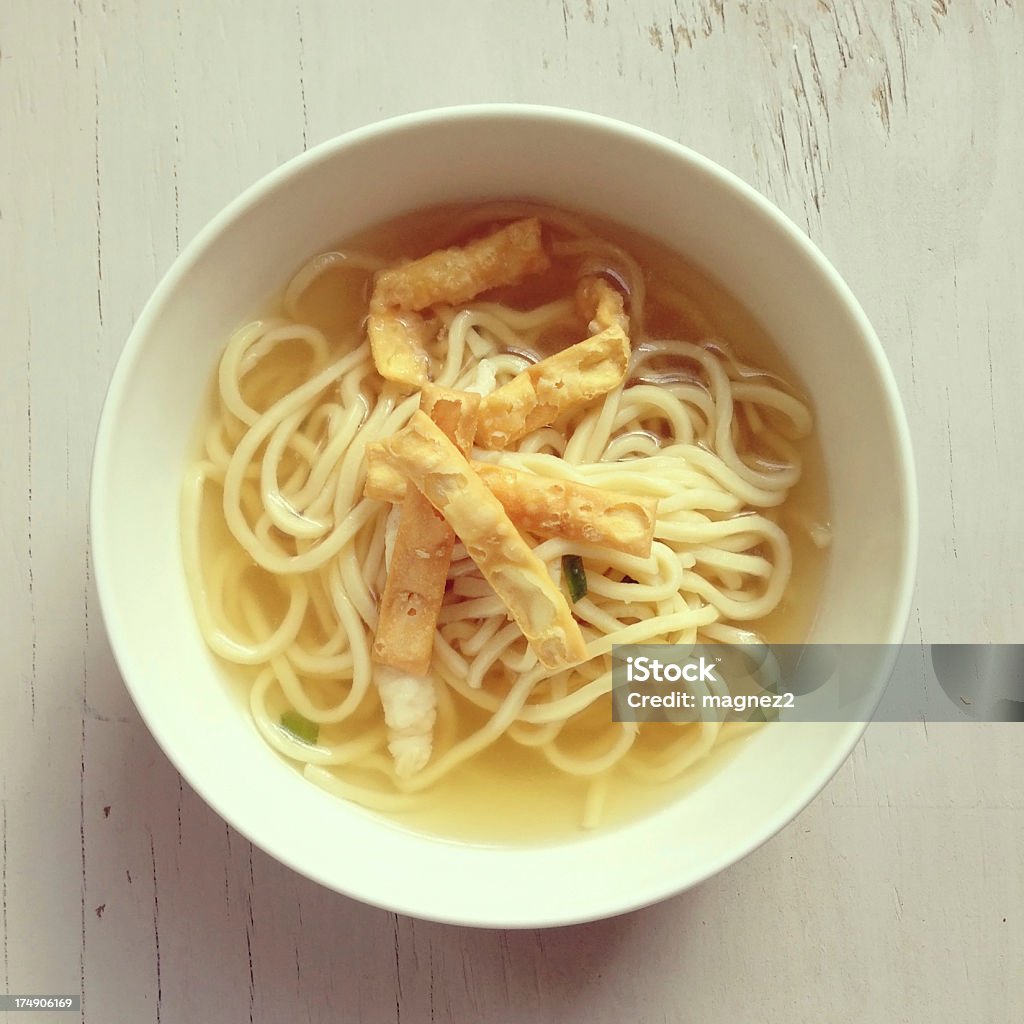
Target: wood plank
(890, 133)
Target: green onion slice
(301, 728)
(575, 577)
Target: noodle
(290, 585)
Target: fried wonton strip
(601, 304)
(578, 512)
(398, 341)
(542, 505)
(456, 275)
(541, 393)
(399, 336)
(440, 471)
(384, 481)
(455, 412)
(423, 546)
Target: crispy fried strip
(562, 508)
(384, 481)
(399, 336)
(423, 546)
(455, 412)
(543, 506)
(437, 468)
(456, 275)
(601, 304)
(398, 341)
(541, 393)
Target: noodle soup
(288, 547)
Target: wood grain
(889, 131)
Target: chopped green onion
(575, 577)
(301, 728)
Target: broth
(509, 792)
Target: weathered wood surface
(890, 132)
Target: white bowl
(567, 159)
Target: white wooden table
(891, 132)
